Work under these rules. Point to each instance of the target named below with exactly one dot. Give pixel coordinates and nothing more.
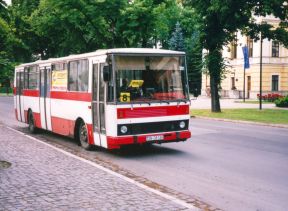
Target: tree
(8, 44)
(138, 23)
(187, 19)
(176, 42)
(72, 26)
(3, 9)
(168, 13)
(194, 63)
(221, 19)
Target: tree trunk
(215, 102)
(215, 66)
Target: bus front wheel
(83, 136)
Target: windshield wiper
(164, 101)
(141, 102)
(181, 100)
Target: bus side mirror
(106, 73)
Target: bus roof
(104, 52)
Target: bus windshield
(150, 78)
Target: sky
(8, 1)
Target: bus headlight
(182, 124)
(123, 129)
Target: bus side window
(31, 77)
(33, 81)
(59, 77)
(78, 75)
(72, 76)
(26, 77)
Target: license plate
(154, 138)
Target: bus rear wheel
(83, 136)
(31, 123)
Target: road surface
(230, 166)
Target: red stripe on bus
(79, 96)
(62, 126)
(116, 142)
(124, 113)
(14, 90)
(90, 134)
(185, 134)
(30, 93)
(37, 120)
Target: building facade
(274, 67)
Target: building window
(233, 87)
(250, 46)
(234, 49)
(275, 49)
(275, 82)
(78, 76)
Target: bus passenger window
(31, 78)
(59, 77)
(78, 75)
(83, 76)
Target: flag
(246, 57)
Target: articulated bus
(107, 98)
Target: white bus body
(107, 98)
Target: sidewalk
(43, 178)
(205, 103)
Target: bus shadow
(129, 151)
(136, 151)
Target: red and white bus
(107, 98)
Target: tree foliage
(221, 19)
(176, 42)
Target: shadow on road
(130, 151)
(137, 151)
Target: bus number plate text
(154, 138)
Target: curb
(242, 121)
(184, 204)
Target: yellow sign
(59, 79)
(136, 83)
(124, 97)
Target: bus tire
(31, 123)
(82, 135)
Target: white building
(274, 67)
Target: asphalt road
(228, 165)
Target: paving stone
(42, 178)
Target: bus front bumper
(117, 142)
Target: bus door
(98, 104)
(44, 100)
(19, 97)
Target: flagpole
(260, 97)
(244, 85)
(246, 66)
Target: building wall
(270, 66)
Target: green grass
(273, 116)
(4, 94)
(254, 102)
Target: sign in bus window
(59, 80)
(124, 97)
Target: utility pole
(260, 97)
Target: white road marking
(164, 195)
